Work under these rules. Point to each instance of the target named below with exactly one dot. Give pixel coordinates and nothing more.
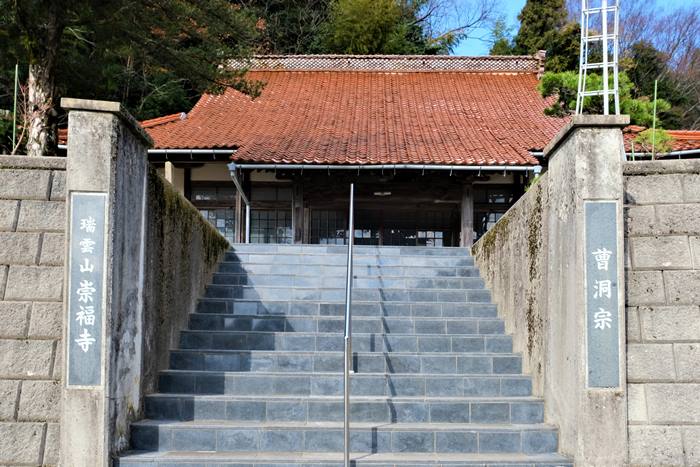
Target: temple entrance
(391, 211)
(392, 208)
(391, 226)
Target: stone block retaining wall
(662, 224)
(526, 252)
(32, 223)
(533, 262)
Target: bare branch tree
(635, 17)
(460, 19)
(676, 34)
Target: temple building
(438, 147)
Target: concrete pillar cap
(580, 121)
(116, 108)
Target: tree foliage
(651, 140)
(336, 26)
(373, 27)
(645, 65)
(563, 48)
(287, 26)
(539, 20)
(653, 46)
(501, 41)
(564, 86)
(544, 25)
(152, 55)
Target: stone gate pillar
(585, 355)
(102, 343)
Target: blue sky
(511, 8)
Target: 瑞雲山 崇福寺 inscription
(86, 257)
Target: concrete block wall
(182, 255)
(32, 223)
(662, 229)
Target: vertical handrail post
(247, 223)
(348, 333)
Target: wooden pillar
(298, 211)
(467, 222)
(176, 176)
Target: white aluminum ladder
(599, 11)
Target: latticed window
(490, 204)
(271, 215)
(329, 227)
(216, 202)
(271, 226)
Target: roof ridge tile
(397, 63)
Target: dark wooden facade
(403, 207)
(392, 207)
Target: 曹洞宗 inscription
(602, 301)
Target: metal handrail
(347, 367)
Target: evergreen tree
(647, 66)
(149, 54)
(564, 85)
(644, 65)
(538, 19)
(563, 47)
(543, 26)
(501, 42)
(375, 27)
(288, 26)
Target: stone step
(383, 309)
(301, 341)
(257, 379)
(338, 281)
(331, 384)
(342, 249)
(184, 407)
(305, 459)
(480, 295)
(360, 324)
(340, 259)
(319, 270)
(156, 435)
(363, 362)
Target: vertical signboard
(86, 282)
(602, 301)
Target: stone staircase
(257, 379)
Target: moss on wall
(511, 258)
(534, 244)
(183, 250)
(534, 239)
(486, 246)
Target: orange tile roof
(682, 140)
(146, 124)
(321, 109)
(388, 110)
(164, 119)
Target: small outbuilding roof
(681, 140)
(374, 110)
